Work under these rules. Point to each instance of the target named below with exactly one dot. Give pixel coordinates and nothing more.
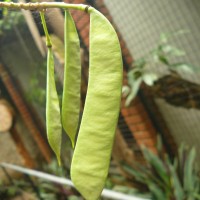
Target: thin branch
(44, 5)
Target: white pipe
(52, 178)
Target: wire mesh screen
(141, 23)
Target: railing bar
(52, 178)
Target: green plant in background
(9, 19)
(7, 191)
(161, 56)
(53, 191)
(37, 92)
(39, 188)
(166, 179)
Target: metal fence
(141, 23)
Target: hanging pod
(92, 153)
(72, 79)
(53, 119)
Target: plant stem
(48, 40)
(44, 5)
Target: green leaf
(164, 37)
(139, 175)
(12, 190)
(125, 90)
(157, 164)
(139, 63)
(157, 193)
(135, 86)
(189, 179)
(134, 74)
(176, 185)
(164, 60)
(155, 54)
(171, 50)
(183, 67)
(73, 197)
(181, 32)
(182, 156)
(150, 78)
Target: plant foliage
(166, 179)
(39, 188)
(162, 56)
(9, 19)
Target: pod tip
(59, 161)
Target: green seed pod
(53, 121)
(72, 79)
(92, 153)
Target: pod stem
(44, 5)
(48, 39)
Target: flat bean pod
(72, 79)
(53, 119)
(92, 153)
